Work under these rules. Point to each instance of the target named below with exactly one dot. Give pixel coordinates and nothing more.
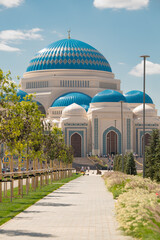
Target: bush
(137, 205)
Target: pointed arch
(105, 139)
(76, 143)
(111, 142)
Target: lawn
(9, 209)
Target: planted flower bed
(137, 205)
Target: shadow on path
(25, 233)
(66, 192)
(53, 204)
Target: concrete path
(80, 210)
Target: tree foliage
(153, 157)
(22, 129)
(130, 166)
(129, 163)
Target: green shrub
(130, 166)
(153, 157)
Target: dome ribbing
(69, 54)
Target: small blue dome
(73, 97)
(108, 95)
(21, 94)
(85, 107)
(69, 54)
(136, 96)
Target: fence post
(27, 179)
(19, 175)
(41, 173)
(11, 178)
(46, 180)
(0, 180)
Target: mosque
(77, 90)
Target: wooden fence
(32, 178)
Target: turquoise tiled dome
(69, 54)
(73, 97)
(21, 94)
(108, 95)
(136, 96)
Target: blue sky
(121, 30)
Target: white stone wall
(47, 95)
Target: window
(72, 83)
(42, 84)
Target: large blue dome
(108, 95)
(69, 54)
(72, 97)
(136, 96)
(21, 94)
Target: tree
(130, 165)
(20, 121)
(117, 166)
(152, 155)
(55, 147)
(21, 127)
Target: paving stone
(80, 210)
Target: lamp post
(122, 135)
(144, 79)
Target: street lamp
(144, 79)
(122, 135)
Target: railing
(37, 177)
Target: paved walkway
(80, 210)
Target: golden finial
(69, 34)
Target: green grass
(146, 233)
(117, 189)
(8, 209)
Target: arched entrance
(147, 140)
(76, 144)
(111, 143)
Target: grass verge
(8, 209)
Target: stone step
(85, 162)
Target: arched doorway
(147, 140)
(111, 143)
(76, 144)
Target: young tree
(130, 165)
(55, 147)
(117, 163)
(20, 121)
(152, 154)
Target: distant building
(77, 90)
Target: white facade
(100, 128)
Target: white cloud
(10, 3)
(151, 69)
(12, 35)
(4, 47)
(119, 4)
(121, 63)
(58, 34)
